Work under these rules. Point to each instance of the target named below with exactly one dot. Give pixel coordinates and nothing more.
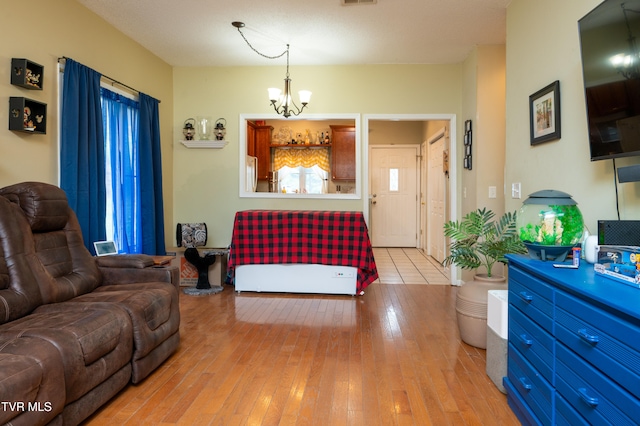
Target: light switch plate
(516, 190)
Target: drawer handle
(526, 296)
(525, 340)
(592, 401)
(525, 385)
(590, 338)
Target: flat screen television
(611, 71)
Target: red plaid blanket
(292, 236)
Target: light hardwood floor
(390, 357)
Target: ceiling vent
(350, 2)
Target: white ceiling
(320, 32)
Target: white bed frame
(296, 278)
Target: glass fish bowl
(550, 224)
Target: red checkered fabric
(293, 236)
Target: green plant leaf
(477, 240)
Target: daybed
(298, 251)
(73, 331)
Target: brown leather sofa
(74, 329)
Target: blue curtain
(82, 156)
(122, 175)
(151, 198)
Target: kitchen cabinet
(343, 153)
(574, 346)
(251, 139)
(259, 145)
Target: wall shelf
(26, 74)
(215, 144)
(27, 115)
(299, 146)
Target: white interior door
(394, 196)
(437, 198)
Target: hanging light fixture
(628, 63)
(283, 103)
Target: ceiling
(320, 32)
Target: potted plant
(479, 241)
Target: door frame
(427, 237)
(453, 169)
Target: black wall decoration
(467, 145)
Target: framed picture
(467, 162)
(544, 114)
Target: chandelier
(283, 103)
(627, 64)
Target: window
(268, 188)
(302, 170)
(110, 141)
(302, 180)
(120, 117)
(393, 180)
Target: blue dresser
(574, 346)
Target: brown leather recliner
(108, 328)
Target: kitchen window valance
(305, 157)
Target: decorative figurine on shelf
(28, 122)
(219, 129)
(189, 130)
(32, 79)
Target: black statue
(202, 264)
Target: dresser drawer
(566, 415)
(603, 340)
(531, 387)
(533, 297)
(533, 343)
(592, 394)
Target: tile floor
(408, 266)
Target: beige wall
(484, 76)
(202, 185)
(44, 30)
(206, 181)
(468, 178)
(396, 132)
(536, 58)
(484, 104)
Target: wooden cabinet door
(343, 152)
(263, 151)
(251, 139)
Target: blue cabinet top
(583, 282)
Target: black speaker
(619, 232)
(629, 174)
